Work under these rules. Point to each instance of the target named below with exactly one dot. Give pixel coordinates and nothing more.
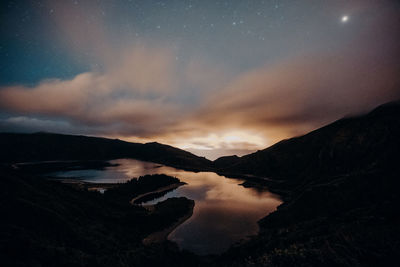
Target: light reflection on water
(224, 211)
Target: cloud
(138, 94)
(143, 93)
(139, 89)
(131, 93)
(81, 29)
(22, 124)
(293, 97)
(138, 98)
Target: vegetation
(340, 185)
(350, 220)
(135, 187)
(46, 223)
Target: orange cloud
(137, 98)
(299, 95)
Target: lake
(225, 212)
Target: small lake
(225, 212)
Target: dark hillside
(342, 206)
(48, 146)
(46, 223)
(350, 144)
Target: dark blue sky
(241, 34)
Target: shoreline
(160, 236)
(160, 190)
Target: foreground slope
(47, 223)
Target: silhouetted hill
(342, 206)
(48, 146)
(225, 161)
(365, 142)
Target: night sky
(212, 77)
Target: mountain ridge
(289, 158)
(19, 147)
(342, 209)
(350, 135)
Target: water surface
(225, 212)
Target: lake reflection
(224, 211)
